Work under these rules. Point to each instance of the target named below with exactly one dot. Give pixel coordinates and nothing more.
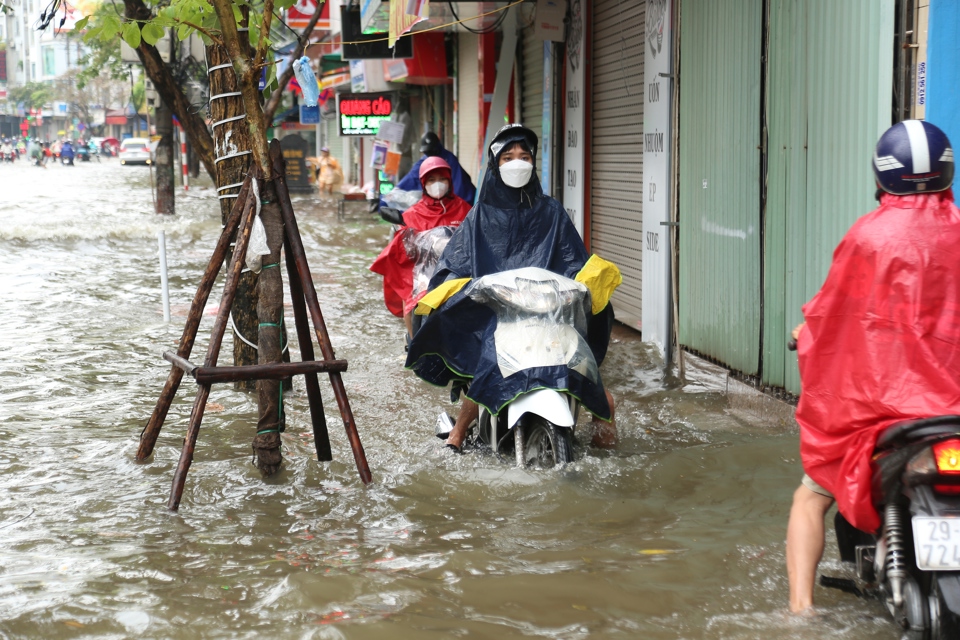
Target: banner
(403, 15)
(298, 16)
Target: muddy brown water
(678, 533)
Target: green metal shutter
(719, 180)
(829, 99)
(616, 147)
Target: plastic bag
(402, 200)
(307, 81)
(258, 238)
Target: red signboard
(3, 65)
(299, 15)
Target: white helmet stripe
(918, 146)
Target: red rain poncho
(881, 344)
(395, 265)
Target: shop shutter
(531, 93)
(616, 139)
(468, 105)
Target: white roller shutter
(468, 104)
(616, 164)
(531, 91)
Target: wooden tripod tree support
(304, 296)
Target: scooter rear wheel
(543, 445)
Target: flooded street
(678, 533)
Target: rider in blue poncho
(431, 146)
(513, 225)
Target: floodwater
(678, 533)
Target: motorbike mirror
(393, 216)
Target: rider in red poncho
(439, 207)
(881, 340)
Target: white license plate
(937, 542)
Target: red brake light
(947, 455)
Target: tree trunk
(169, 91)
(266, 444)
(164, 158)
(233, 160)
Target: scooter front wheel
(542, 445)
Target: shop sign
(574, 118)
(309, 115)
(656, 290)
(360, 114)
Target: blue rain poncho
(509, 228)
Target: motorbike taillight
(947, 456)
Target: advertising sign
(655, 290)
(309, 115)
(298, 16)
(573, 104)
(360, 46)
(546, 141)
(360, 114)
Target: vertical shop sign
(573, 104)
(655, 289)
(546, 124)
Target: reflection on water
(678, 533)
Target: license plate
(937, 542)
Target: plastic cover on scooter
(881, 344)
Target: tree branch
(271, 107)
(264, 32)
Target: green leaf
(284, 4)
(81, 23)
(152, 33)
(184, 31)
(131, 34)
(111, 27)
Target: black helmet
(913, 157)
(509, 134)
(430, 144)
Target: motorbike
(83, 152)
(9, 156)
(541, 322)
(912, 564)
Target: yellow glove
(601, 278)
(439, 295)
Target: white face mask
(516, 173)
(437, 189)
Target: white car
(136, 151)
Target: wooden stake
(148, 439)
(213, 352)
(321, 437)
(295, 245)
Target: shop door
(616, 146)
(719, 180)
(531, 90)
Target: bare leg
(605, 433)
(408, 322)
(805, 539)
(469, 411)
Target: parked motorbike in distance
(912, 564)
(541, 322)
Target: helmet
(509, 134)
(430, 144)
(913, 156)
(433, 163)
